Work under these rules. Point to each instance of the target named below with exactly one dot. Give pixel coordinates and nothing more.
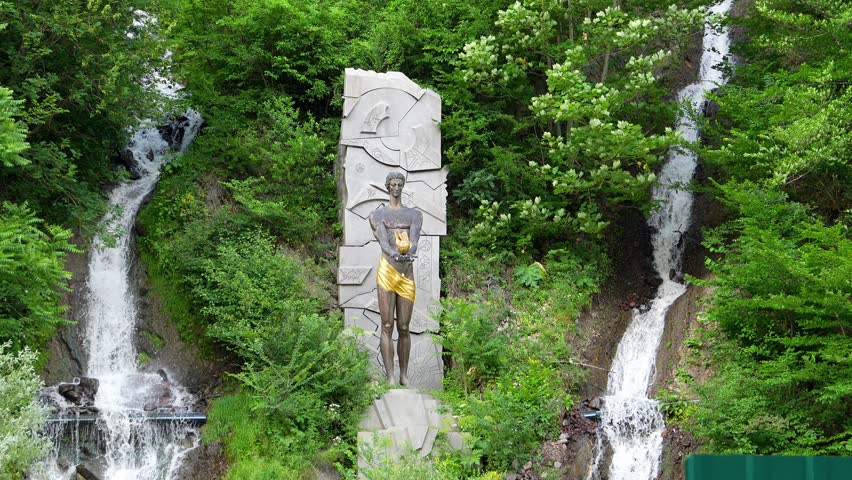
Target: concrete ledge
(194, 418)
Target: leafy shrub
(81, 82)
(32, 277)
(249, 291)
(510, 362)
(312, 382)
(473, 342)
(514, 414)
(385, 464)
(21, 416)
(305, 380)
(466, 270)
(232, 420)
(543, 316)
(304, 389)
(529, 275)
(291, 188)
(782, 301)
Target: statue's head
(394, 176)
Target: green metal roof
(769, 467)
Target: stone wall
(391, 124)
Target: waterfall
(116, 395)
(133, 449)
(123, 445)
(631, 422)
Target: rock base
(401, 421)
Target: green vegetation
(77, 77)
(556, 115)
(31, 276)
(782, 298)
(511, 372)
(21, 416)
(450, 465)
(304, 383)
(780, 315)
(31, 252)
(595, 128)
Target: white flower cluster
(492, 223)
(534, 210)
(525, 27)
(479, 58)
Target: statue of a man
(397, 228)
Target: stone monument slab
(390, 124)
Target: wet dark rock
(677, 445)
(86, 473)
(207, 462)
(676, 276)
(81, 410)
(128, 160)
(174, 132)
(710, 108)
(48, 399)
(653, 281)
(164, 399)
(66, 351)
(81, 392)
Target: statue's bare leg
(404, 308)
(387, 300)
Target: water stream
(134, 449)
(123, 445)
(631, 423)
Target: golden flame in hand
(403, 244)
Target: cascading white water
(631, 422)
(123, 445)
(135, 450)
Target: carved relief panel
(391, 124)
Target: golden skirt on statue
(391, 280)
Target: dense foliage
(780, 150)
(268, 94)
(556, 116)
(510, 365)
(31, 276)
(304, 382)
(782, 295)
(595, 131)
(31, 253)
(78, 76)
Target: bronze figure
(397, 228)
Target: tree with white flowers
(593, 69)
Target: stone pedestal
(391, 124)
(402, 420)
